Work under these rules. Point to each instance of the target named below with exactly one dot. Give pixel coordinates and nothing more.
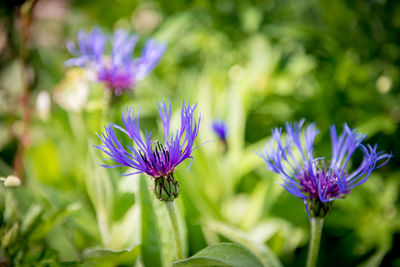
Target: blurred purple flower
(310, 178)
(154, 158)
(220, 129)
(90, 48)
(119, 71)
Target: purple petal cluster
(90, 48)
(220, 129)
(310, 178)
(119, 70)
(154, 158)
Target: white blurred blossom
(43, 105)
(72, 93)
(11, 181)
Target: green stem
(316, 230)
(172, 215)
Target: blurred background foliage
(255, 64)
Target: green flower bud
(317, 208)
(166, 188)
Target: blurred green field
(254, 64)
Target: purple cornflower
(158, 160)
(119, 71)
(316, 182)
(220, 129)
(90, 48)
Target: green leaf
(123, 203)
(48, 173)
(101, 193)
(48, 222)
(151, 245)
(376, 124)
(60, 239)
(225, 254)
(31, 218)
(377, 257)
(40, 257)
(10, 236)
(107, 257)
(175, 24)
(262, 251)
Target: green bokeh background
(255, 64)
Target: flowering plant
(119, 71)
(311, 178)
(154, 158)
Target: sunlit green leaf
(225, 254)
(108, 257)
(151, 244)
(263, 252)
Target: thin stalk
(25, 17)
(172, 215)
(316, 230)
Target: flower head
(119, 71)
(318, 182)
(11, 181)
(220, 129)
(157, 159)
(90, 48)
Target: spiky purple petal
(119, 70)
(152, 157)
(307, 177)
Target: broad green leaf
(200, 261)
(151, 244)
(108, 257)
(225, 254)
(263, 253)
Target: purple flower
(157, 159)
(119, 71)
(220, 129)
(90, 48)
(319, 183)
